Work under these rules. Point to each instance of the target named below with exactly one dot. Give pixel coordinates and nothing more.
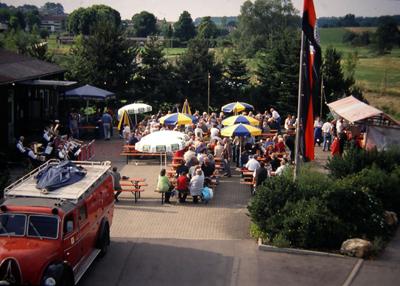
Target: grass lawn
(173, 52)
(55, 48)
(378, 76)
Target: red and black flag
(311, 78)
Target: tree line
(258, 62)
(350, 20)
(260, 65)
(383, 40)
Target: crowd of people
(52, 144)
(334, 134)
(206, 148)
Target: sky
(171, 9)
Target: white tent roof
(352, 109)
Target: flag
(311, 78)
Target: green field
(378, 76)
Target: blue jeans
(107, 130)
(327, 141)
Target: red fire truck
(52, 237)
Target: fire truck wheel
(104, 238)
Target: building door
(10, 114)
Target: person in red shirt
(182, 185)
(280, 146)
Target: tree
(153, 80)
(387, 34)
(348, 21)
(166, 29)
(32, 18)
(144, 24)
(192, 74)
(104, 59)
(235, 76)
(207, 29)
(50, 8)
(278, 73)
(184, 27)
(83, 20)
(261, 22)
(335, 84)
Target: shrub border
(270, 248)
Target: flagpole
(299, 100)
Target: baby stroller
(206, 194)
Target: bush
(354, 160)
(270, 199)
(382, 185)
(360, 211)
(309, 224)
(318, 212)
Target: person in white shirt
(126, 132)
(189, 154)
(327, 133)
(196, 185)
(339, 126)
(288, 122)
(214, 132)
(281, 168)
(275, 115)
(198, 132)
(252, 164)
(318, 131)
(218, 150)
(46, 135)
(20, 145)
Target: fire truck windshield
(12, 224)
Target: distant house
(29, 90)
(53, 23)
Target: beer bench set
(130, 151)
(134, 186)
(172, 171)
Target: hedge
(320, 211)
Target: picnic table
(130, 151)
(133, 185)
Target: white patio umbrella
(162, 142)
(134, 108)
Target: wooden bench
(162, 195)
(137, 154)
(135, 191)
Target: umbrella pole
(240, 153)
(161, 163)
(135, 119)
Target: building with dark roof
(53, 23)
(29, 95)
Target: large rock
(356, 247)
(391, 218)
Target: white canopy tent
(381, 131)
